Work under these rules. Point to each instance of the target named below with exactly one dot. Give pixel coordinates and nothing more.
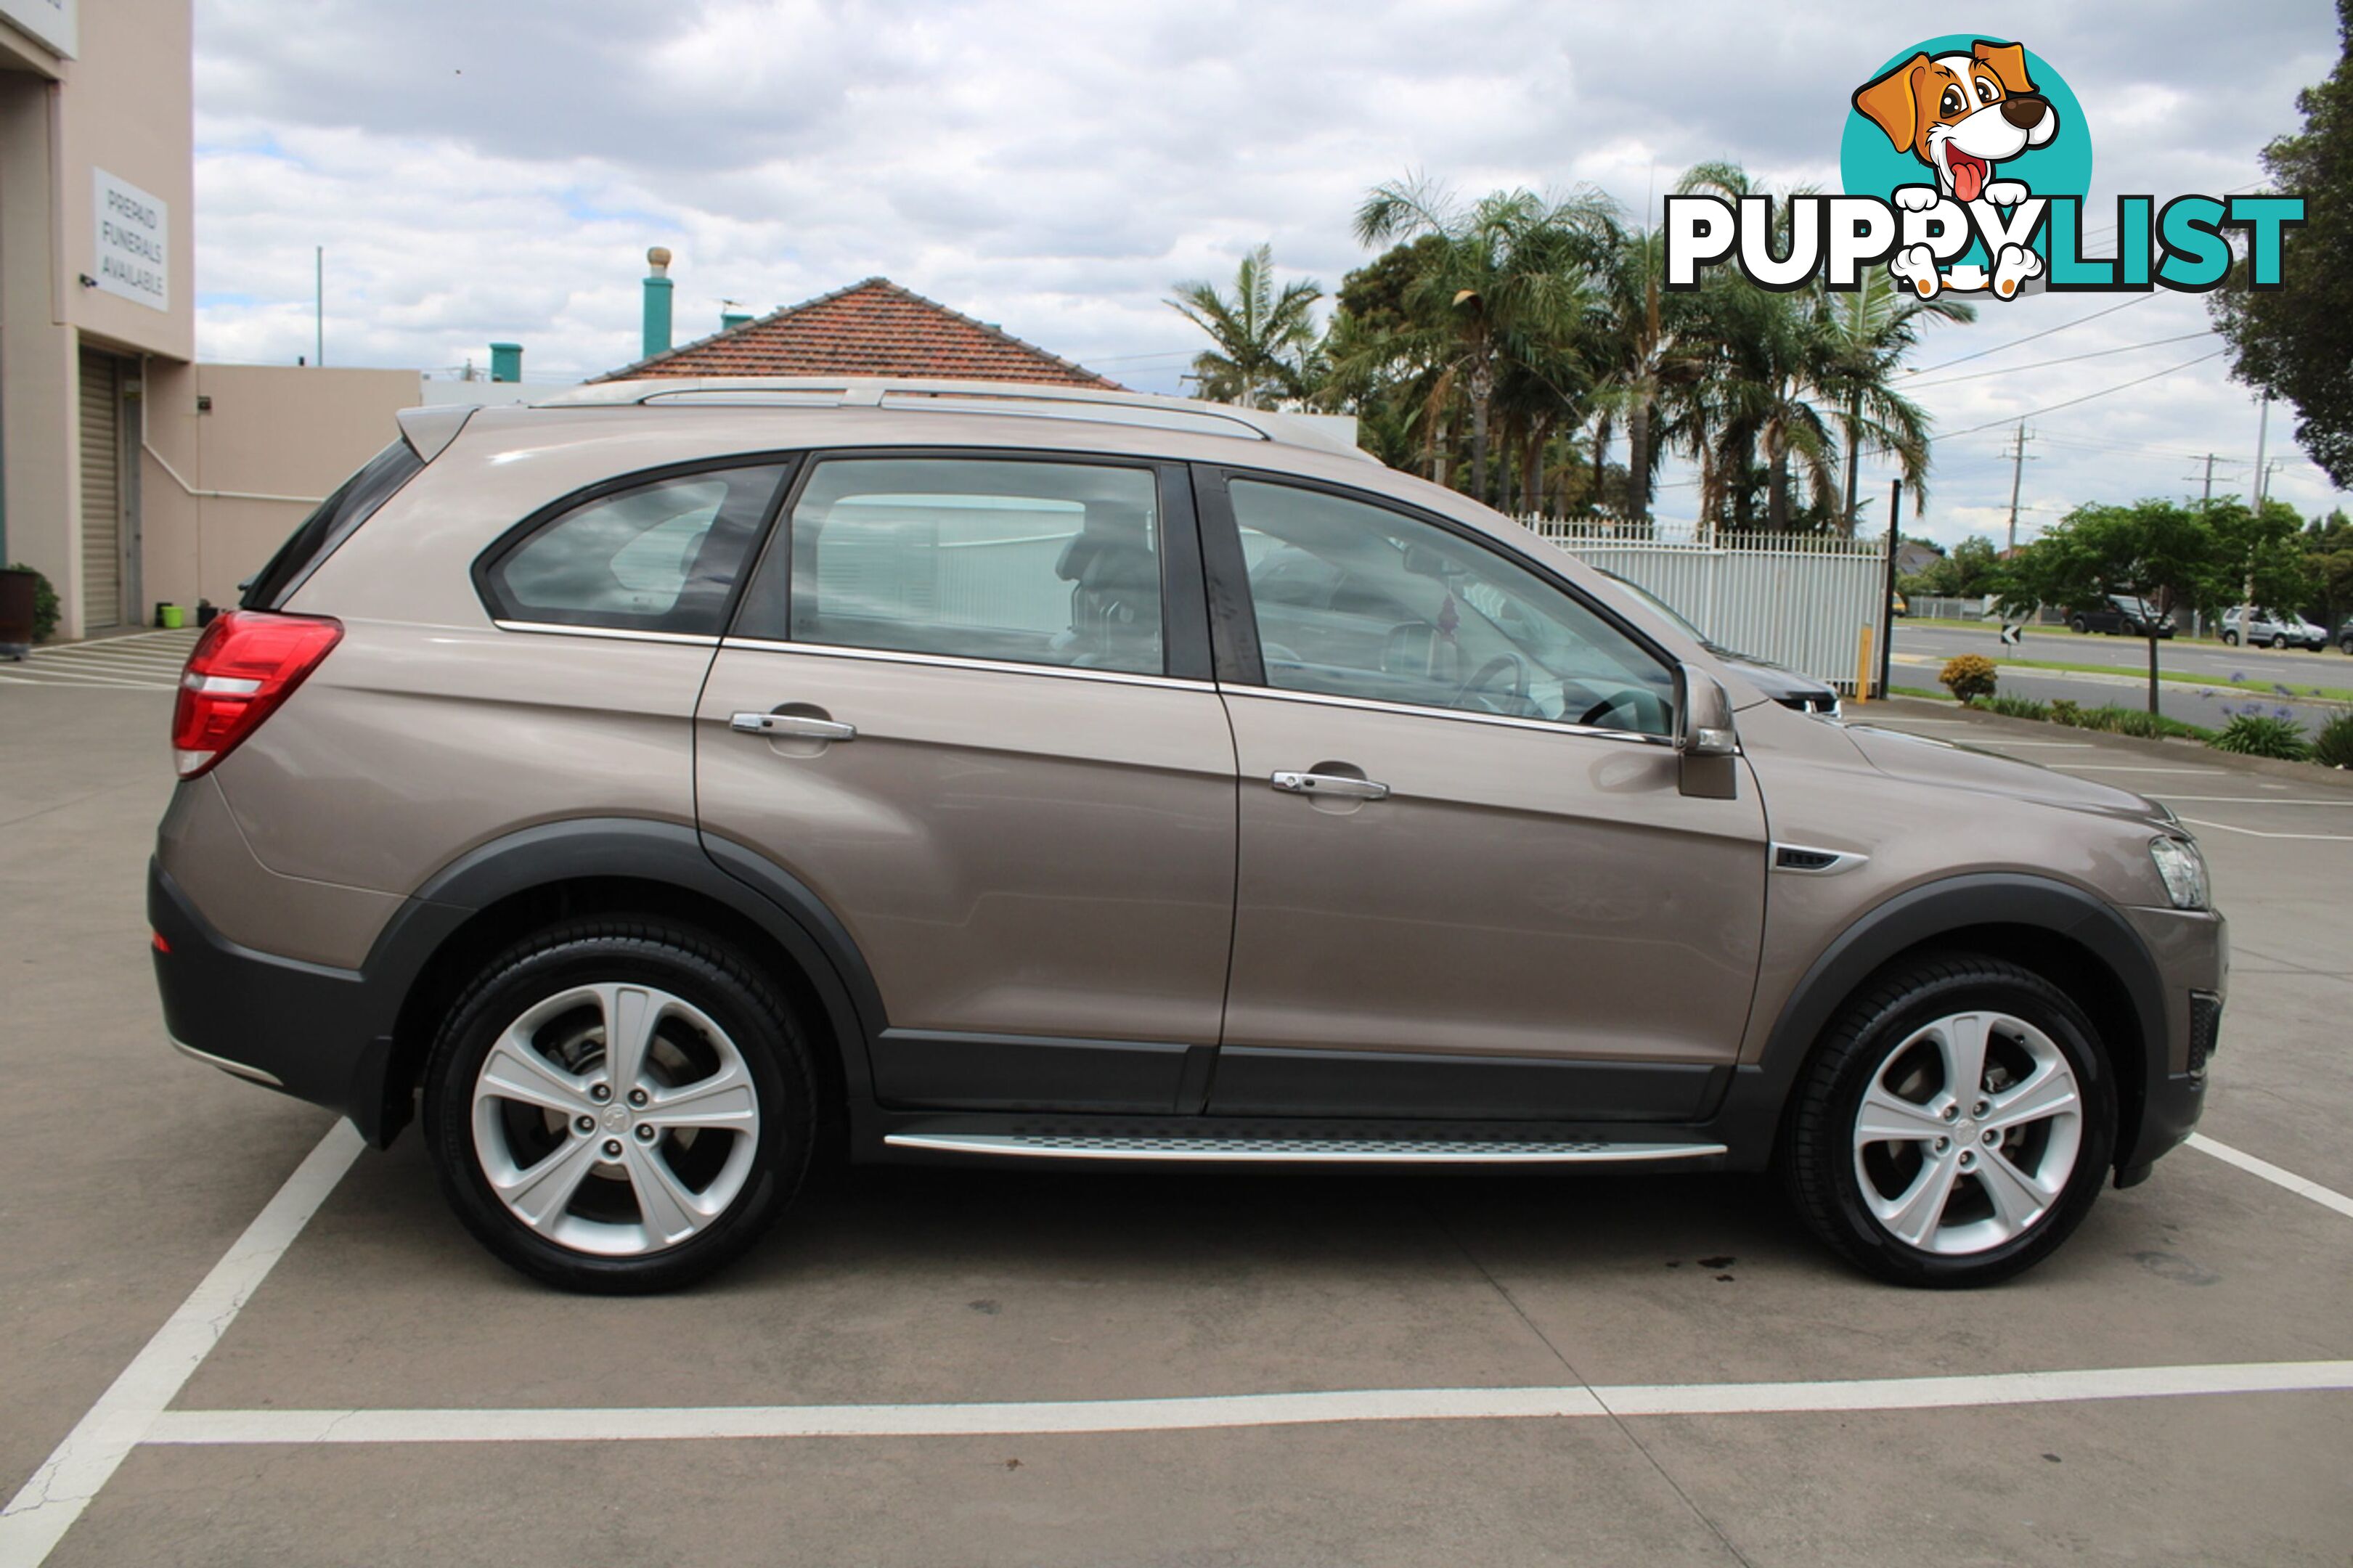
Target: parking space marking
(2326, 1197)
(45, 1508)
(2250, 799)
(2259, 832)
(232, 1428)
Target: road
(938, 1341)
(1922, 648)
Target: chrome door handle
(795, 724)
(1339, 784)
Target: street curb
(2310, 773)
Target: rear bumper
(319, 1033)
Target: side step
(1298, 1150)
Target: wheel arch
(498, 893)
(2065, 935)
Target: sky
(480, 172)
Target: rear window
(660, 555)
(337, 518)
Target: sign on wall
(134, 242)
(50, 21)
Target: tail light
(246, 664)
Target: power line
(2053, 408)
(2014, 343)
(2047, 363)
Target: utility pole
(2208, 498)
(2247, 588)
(2017, 470)
(1887, 597)
(319, 305)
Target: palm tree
(1870, 330)
(1262, 336)
(1776, 355)
(1504, 287)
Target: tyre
(619, 1106)
(2075, 624)
(2229, 640)
(1954, 1126)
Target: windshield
(1681, 621)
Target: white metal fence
(1797, 599)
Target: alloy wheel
(617, 1120)
(1966, 1133)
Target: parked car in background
(676, 784)
(1789, 687)
(2273, 628)
(2121, 614)
(2345, 635)
(1900, 605)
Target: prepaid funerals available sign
(134, 242)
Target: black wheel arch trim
(1752, 1108)
(670, 854)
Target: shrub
(2256, 735)
(44, 604)
(2066, 711)
(2332, 747)
(2134, 721)
(1968, 677)
(2017, 707)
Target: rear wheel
(1954, 1126)
(619, 1106)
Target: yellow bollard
(1862, 667)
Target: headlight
(2184, 870)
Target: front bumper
(2192, 953)
(319, 1033)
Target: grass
(2182, 677)
(1919, 692)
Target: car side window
(1031, 562)
(663, 556)
(1355, 600)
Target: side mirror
(1704, 736)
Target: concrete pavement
(133, 1170)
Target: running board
(1302, 1149)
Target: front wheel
(2077, 624)
(1954, 1126)
(2229, 640)
(619, 1106)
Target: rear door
(1469, 884)
(966, 701)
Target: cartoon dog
(1961, 114)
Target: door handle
(799, 725)
(1339, 784)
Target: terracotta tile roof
(873, 328)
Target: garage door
(101, 490)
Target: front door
(959, 706)
(1468, 883)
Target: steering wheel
(1592, 715)
(1500, 664)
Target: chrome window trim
(623, 633)
(955, 661)
(1412, 710)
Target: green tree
(2263, 554)
(1263, 335)
(2296, 340)
(1505, 286)
(1871, 329)
(2162, 551)
(2329, 553)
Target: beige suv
(677, 783)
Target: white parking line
(1095, 1416)
(2326, 1197)
(2259, 832)
(2120, 768)
(45, 1508)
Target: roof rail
(1324, 433)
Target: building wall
(272, 431)
(123, 104)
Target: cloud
(480, 172)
